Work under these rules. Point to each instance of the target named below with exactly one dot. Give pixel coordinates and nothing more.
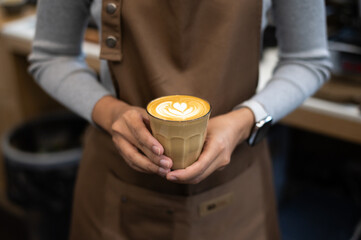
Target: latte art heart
(176, 110)
(178, 107)
(181, 107)
(178, 113)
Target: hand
(129, 126)
(224, 133)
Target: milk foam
(178, 108)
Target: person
(206, 48)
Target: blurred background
(316, 150)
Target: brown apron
(205, 48)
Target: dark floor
(316, 214)
(318, 185)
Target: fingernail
(164, 163)
(156, 150)
(172, 178)
(162, 171)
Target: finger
(144, 113)
(146, 119)
(143, 137)
(123, 152)
(147, 124)
(197, 169)
(219, 163)
(136, 160)
(212, 168)
(122, 130)
(160, 160)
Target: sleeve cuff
(258, 110)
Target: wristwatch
(263, 121)
(259, 130)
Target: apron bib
(205, 48)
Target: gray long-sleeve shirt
(58, 65)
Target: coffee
(179, 123)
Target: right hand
(129, 126)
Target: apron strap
(111, 41)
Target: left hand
(224, 133)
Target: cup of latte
(179, 123)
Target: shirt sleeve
(57, 62)
(303, 64)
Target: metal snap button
(111, 41)
(111, 8)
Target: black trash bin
(41, 161)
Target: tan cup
(182, 140)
